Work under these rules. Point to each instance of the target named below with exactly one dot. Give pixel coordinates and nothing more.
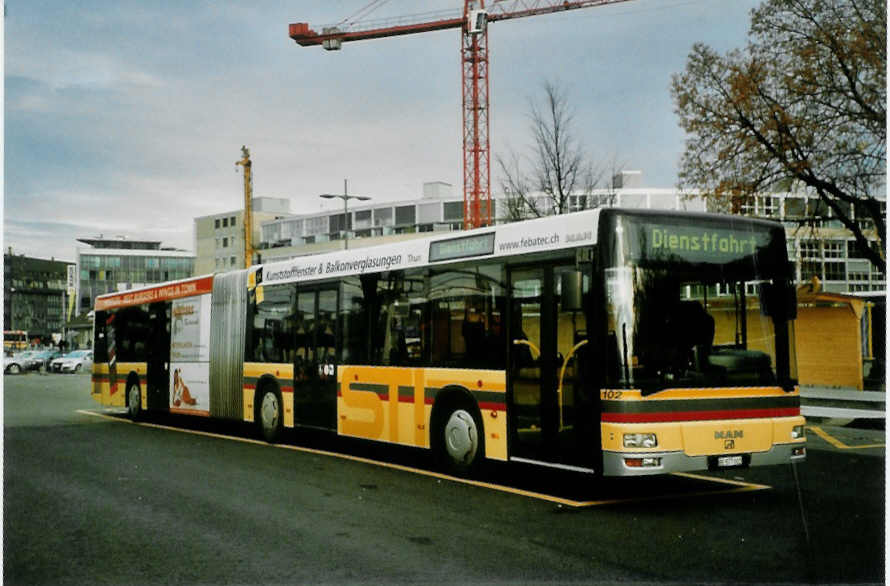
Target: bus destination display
(694, 243)
(467, 247)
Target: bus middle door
(158, 357)
(315, 370)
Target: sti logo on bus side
(729, 434)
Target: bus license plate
(729, 461)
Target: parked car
(76, 361)
(43, 358)
(21, 362)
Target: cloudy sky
(126, 117)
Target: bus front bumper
(647, 463)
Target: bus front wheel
(270, 415)
(134, 401)
(459, 439)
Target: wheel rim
(134, 399)
(269, 411)
(461, 437)
(14, 369)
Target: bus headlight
(797, 432)
(640, 440)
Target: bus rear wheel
(460, 440)
(134, 401)
(270, 417)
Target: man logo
(729, 434)
(729, 444)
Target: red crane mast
(474, 64)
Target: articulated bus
(614, 342)
(14, 340)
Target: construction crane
(248, 208)
(475, 62)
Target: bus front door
(315, 370)
(550, 411)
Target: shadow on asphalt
(879, 424)
(581, 488)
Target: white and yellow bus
(15, 340)
(610, 341)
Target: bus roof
(546, 234)
(531, 236)
(156, 292)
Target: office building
(106, 265)
(35, 296)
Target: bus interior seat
(695, 333)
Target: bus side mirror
(778, 301)
(572, 291)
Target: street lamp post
(11, 308)
(345, 197)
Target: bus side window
(271, 324)
(388, 327)
(354, 330)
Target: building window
(363, 219)
(835, 271)
(405, 215)
(795, 207)
(216, 223)
(232, 261)
(810, 249)
(808, 270)
(225, 242)
(833, 249)
(225, 222)
(453, 210)
(855, 250)
(383, 217)
(769, 206)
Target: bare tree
(541, 183)
(804, 104)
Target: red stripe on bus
(403, 399)
(190, 412)
(493, 406)
(698, 415)
(252, 387)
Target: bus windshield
(702, 306)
